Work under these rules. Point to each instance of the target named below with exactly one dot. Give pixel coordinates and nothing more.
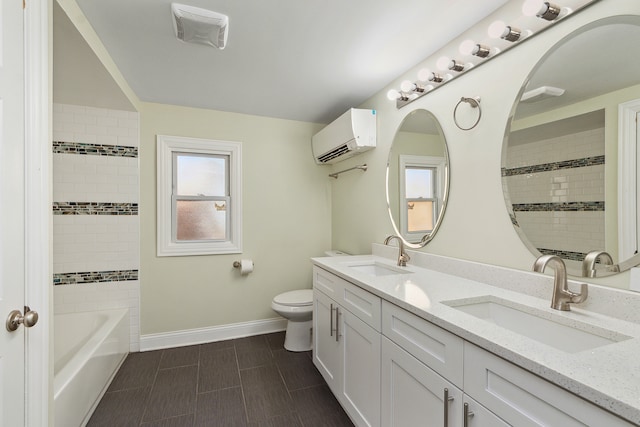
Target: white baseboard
(212, 334)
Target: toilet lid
(295, 298)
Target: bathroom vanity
(407, 346)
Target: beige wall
(476, 225)
(286, 221)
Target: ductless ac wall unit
(352, 133)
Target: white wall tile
(83, 243)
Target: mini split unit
(201, 26)
(352, 133)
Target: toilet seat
(299, 298)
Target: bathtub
(88, 350)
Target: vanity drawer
(363, 304)
(440, 350)
(328, 283)
(524, 399)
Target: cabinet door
(361, 370)
(326, 348)
(479, 416)
(414, 395)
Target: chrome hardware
(402, 256)
(589, 263)
(331, 322)
(337, 323)
(474, 102)
(562, 296)
(16, 318)
(467, 414)
(446, 401)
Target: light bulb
(408, 86)
(466, 47)
(496, 29)
(533, 7)
(480, 51)
(393, 95)
(424, 74)
(443, 63)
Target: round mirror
(573, 120)
(417, 178)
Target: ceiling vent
(201, 26)
(540, 93)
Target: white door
(12, 200)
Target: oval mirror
(417, 178)
(560, 159)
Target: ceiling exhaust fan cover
(201, 26)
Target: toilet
(297, 308)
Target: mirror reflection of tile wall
(556, 186)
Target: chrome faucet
(589, 263)
(562, 296)
(403, 257)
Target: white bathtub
(88, 350)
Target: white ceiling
(291, 59)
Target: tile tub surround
(249, 381)
(607, 376)
(96, 248)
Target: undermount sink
(374, 268)
(560, 332)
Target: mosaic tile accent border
(546, 167)
(573, 256)
(559, 207)
(62, 147)
(94, 208)
(94, 277)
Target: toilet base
(298, 336)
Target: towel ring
(475, 103)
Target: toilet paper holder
(239, 266)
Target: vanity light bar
(474, 53)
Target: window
(199, 196)
(421, 180)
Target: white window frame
(166, 242)
(407, 161)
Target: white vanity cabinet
(346, 351)
(422, 381)
(389, 367)
(523, 399)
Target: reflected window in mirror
(417, 178)
(420, 194)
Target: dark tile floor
(250, 381)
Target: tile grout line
(244, 399)
(153, 384)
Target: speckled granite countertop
(608, 376)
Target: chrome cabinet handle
(16, 318)
(337, 323)
(445, 402)
(467, 414)
(331, 322)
